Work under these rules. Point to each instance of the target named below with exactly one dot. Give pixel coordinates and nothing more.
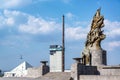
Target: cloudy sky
(28, 27)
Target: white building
(19, 71)
(55, 58)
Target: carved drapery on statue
(94, 37)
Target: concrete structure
(98, 57)
(55, 58)
(39, 71)
(97, 77)
(19, 71)
(48, 76)
(94, 72)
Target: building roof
(19, 71)
(22, 66)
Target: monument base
(98, 57)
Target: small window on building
(13, 75)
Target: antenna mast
(63, 45)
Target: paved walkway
(49, 76)
(18, 78)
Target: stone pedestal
(78, 69)
(74, 71)
(44, 67)
(98, 57)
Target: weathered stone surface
(37, 72)
(34, 72)
(103, 77)
(16, 78)
(56, 76)
(74, 71)
(98, 57)
(80, 69)
(110, 70)
(48, 76)
(94, 38)
(95, 35)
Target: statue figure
(95, 35)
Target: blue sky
(28, 27)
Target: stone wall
(110, 70)
(99, 77)
(87, 70)
(34, 72)
(37, 72)
(74, 71)
(80, 69)
(56, 76)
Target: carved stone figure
(95, 36)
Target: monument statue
(94, 37)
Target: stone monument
(93, 54)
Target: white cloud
(26, 23)
(9, 13)
(14, 3)
(10, 21)
(12, 18)
(112, 29)
(38, 26)
(113, 44)
(76, 33)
